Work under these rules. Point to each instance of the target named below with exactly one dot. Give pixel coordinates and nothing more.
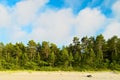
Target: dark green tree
(31, 49)
(51, 59)
(45, 50)
(100, 41)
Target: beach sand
(59, 75)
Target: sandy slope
(59, 76)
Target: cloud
(112, 29)
(116, 10)
(5, 18)
(108, 3)
(114, 23)
(76, 5)
(53, 26)
(18, 35)
(89, 21)
(73, 4)
(13, 19)
(25, 11)
(58, 26)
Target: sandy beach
(59, 76)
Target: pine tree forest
(88, 53)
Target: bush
(30, 66)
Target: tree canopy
(93, 53)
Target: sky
(57, 21)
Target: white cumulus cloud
(114, 23)
(53, 26)
(89, 21)
(112, 29)
(5, 18)
(58, 26)
(25, 11)
(116, 9)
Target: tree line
(89, 53)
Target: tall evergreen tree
(100, 41)
(31, 49)
(45, 50)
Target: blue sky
(57, 21)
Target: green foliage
(51, 59)
(91, 54)
(64, 58)
(30, 65)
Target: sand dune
(59, 76)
